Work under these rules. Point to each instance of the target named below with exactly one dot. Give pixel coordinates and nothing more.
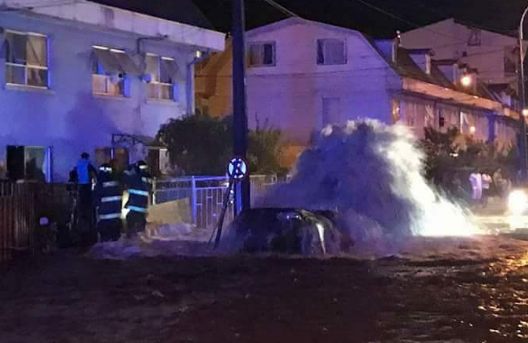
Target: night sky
(498, 15)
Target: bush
(202, 145)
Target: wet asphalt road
(439, 298)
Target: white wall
(289, 95)
(449, 40)
(67, 116)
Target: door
(331, 111)
(15, 162)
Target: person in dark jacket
(139, 183)
(84, 176)
(108, 201)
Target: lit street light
(466, 80)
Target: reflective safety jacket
(139, 185)
(108, 197)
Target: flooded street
(438, 291)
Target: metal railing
(205, 195)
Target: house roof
(118, 19)
(406, 67)
(455, 21)
(182, 11)
(297, 21)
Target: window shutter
(256, 54)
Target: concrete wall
(449, 40)
(68, 117)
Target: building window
(331, 52)
(441, 118)
(465, 123)
(117, 157)
(396, 113)
(261, 54)
(161, 73)
(331, 111)
(110, 70)
(31, 163)
(474, 38)
(27, 59)
(429, 116)
(511, 60)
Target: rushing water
(372, 175)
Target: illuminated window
(331, 52)
(27, 59)
(261, 54)
(162, 73)
(465, 124)
(107, 77)
(396, 115)
(110, 70)
(429, 116)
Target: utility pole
(522, 98)
(240, 121)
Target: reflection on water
(457, 301)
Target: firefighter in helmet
(108, 201)
(139, 183)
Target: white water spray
(372, 175)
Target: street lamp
(466, 80)
(522, 141)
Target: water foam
(372, 175)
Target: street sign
(237, 168)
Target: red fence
(20, 208)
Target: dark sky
(498, 15)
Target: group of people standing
(483, 185)
(100, 196)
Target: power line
(282, 8)
(394, 16)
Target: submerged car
(284, 231)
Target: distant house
(494, 55)
(303, 75)
(78, 76)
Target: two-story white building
(303, 75)
(77, 76)
(494, 55)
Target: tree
(197, 144)
(449, 153)
(202, 145)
